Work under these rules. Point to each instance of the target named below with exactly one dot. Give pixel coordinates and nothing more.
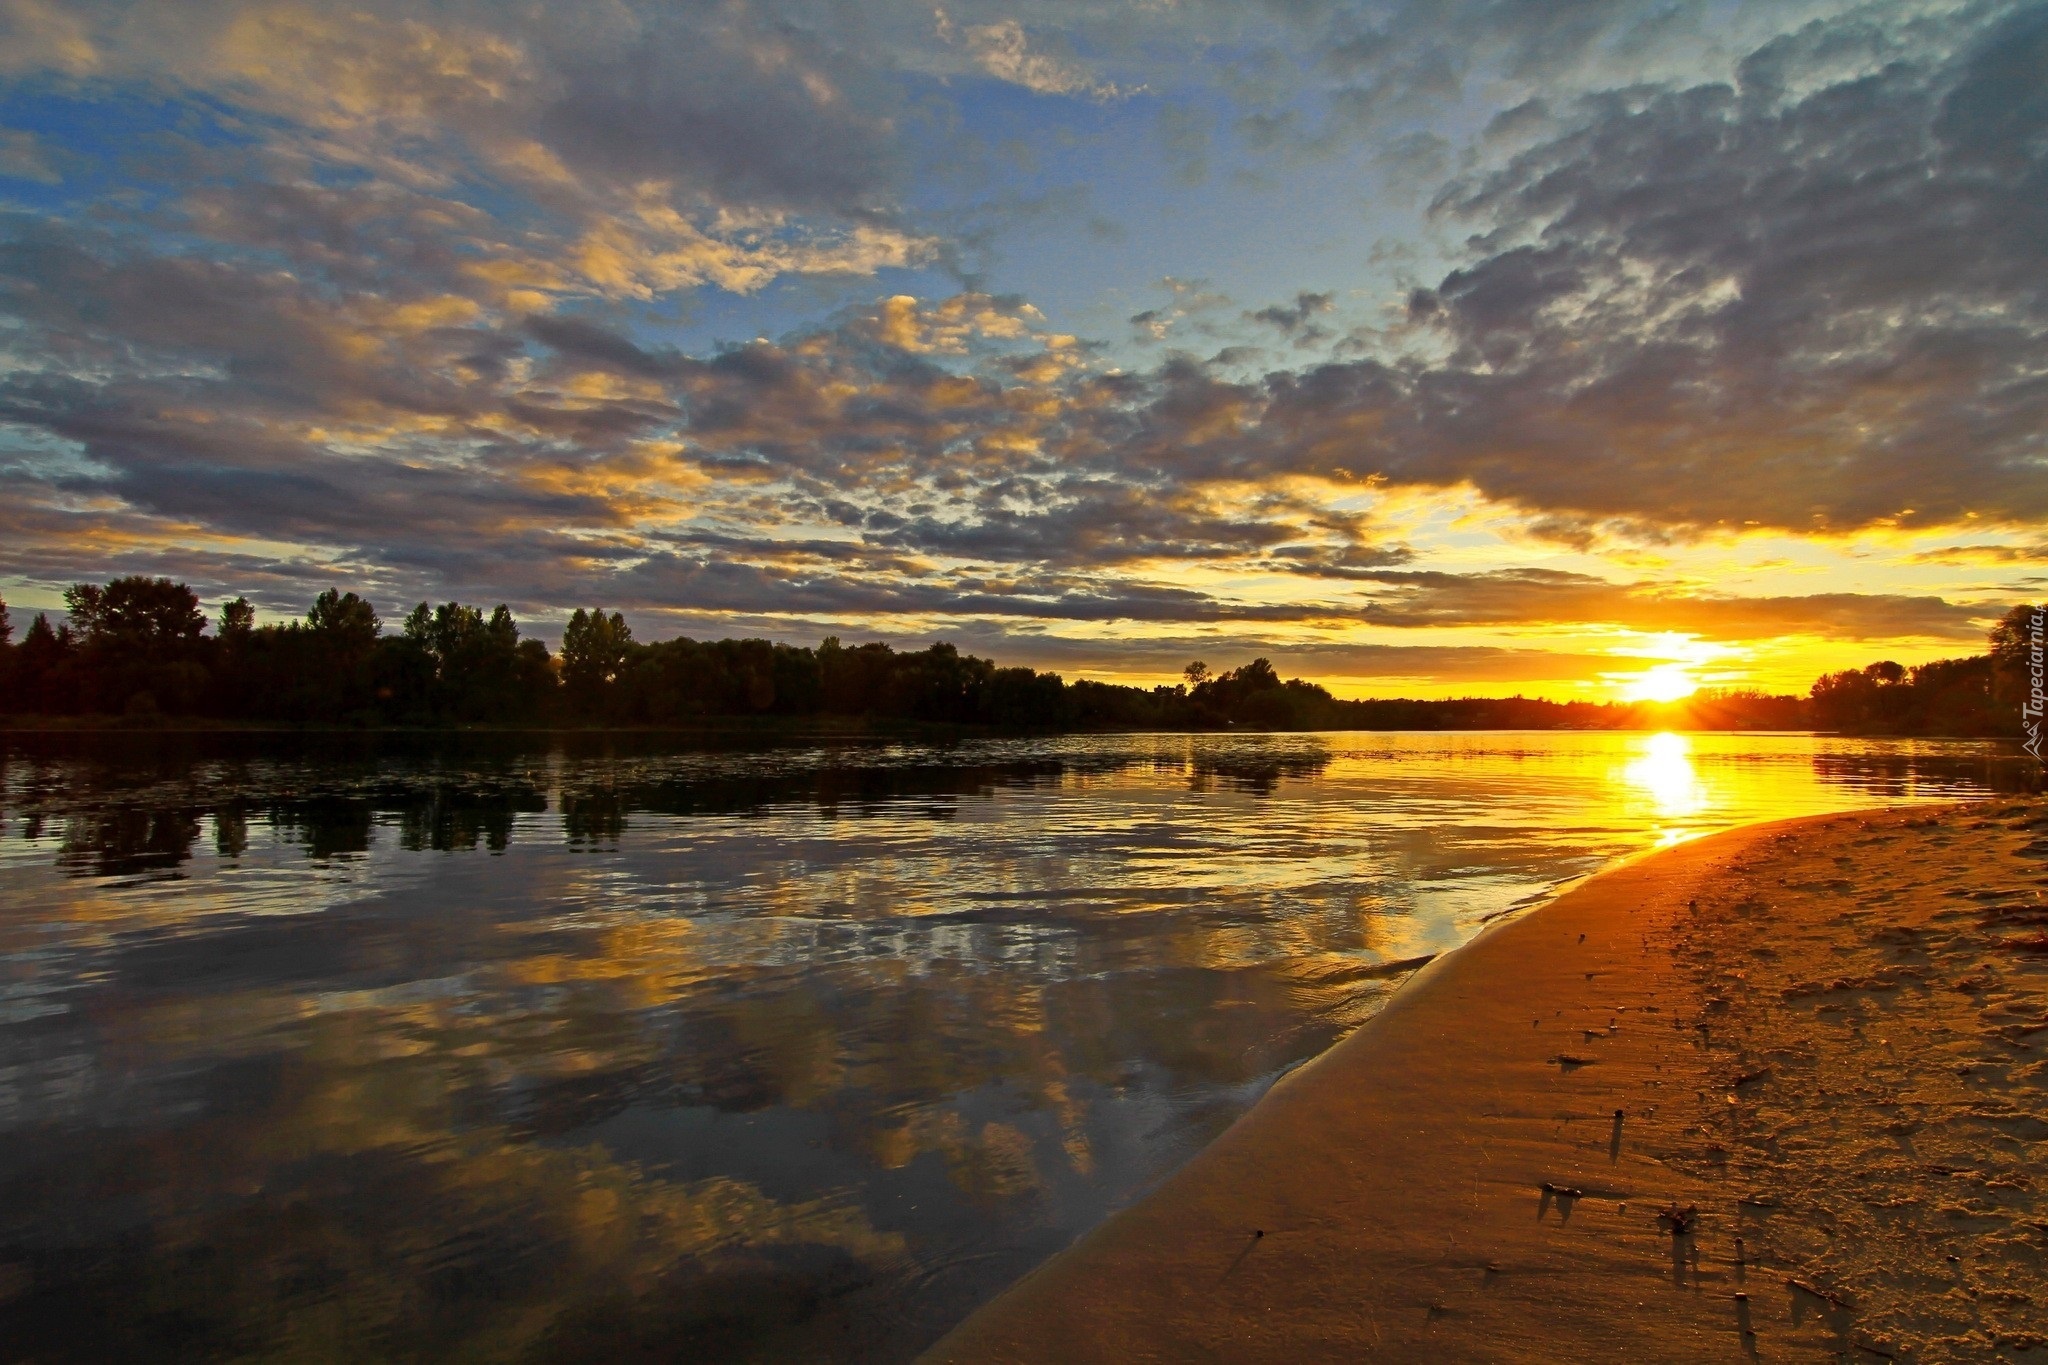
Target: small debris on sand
(1828, 1296)
(1679, 1222)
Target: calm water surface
(576, 1052)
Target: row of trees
(1979, 695)
(141, 648)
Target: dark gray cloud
(1296, 321)
(728, 101)
(599, 345)
(1359, 563)
(1096, 522)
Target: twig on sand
(1679, 1222)
(1258, 1235)
(1826, 1296)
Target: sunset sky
(1580, 348)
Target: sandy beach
(1774, 1094)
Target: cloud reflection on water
(555, 1054)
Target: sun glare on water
(1663, 771)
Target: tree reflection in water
(583, 1051)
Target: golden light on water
(1664, 772)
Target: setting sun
(1665, 682)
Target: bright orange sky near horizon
(1427, 350)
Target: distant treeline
(141, 649)
(1975, 696)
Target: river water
(586, 1048)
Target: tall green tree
(40, 662)
(344, 619)
(9, 698)
(237, 619)
(595, 648)
(140, 648)
(135, 612)
(483, 671)
(2011, 642)
(2011, 638)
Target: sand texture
(1778, 1094)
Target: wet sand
(1775, 1094)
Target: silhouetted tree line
(1979, 695)
(141, 648)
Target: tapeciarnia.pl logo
(2030, 709)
